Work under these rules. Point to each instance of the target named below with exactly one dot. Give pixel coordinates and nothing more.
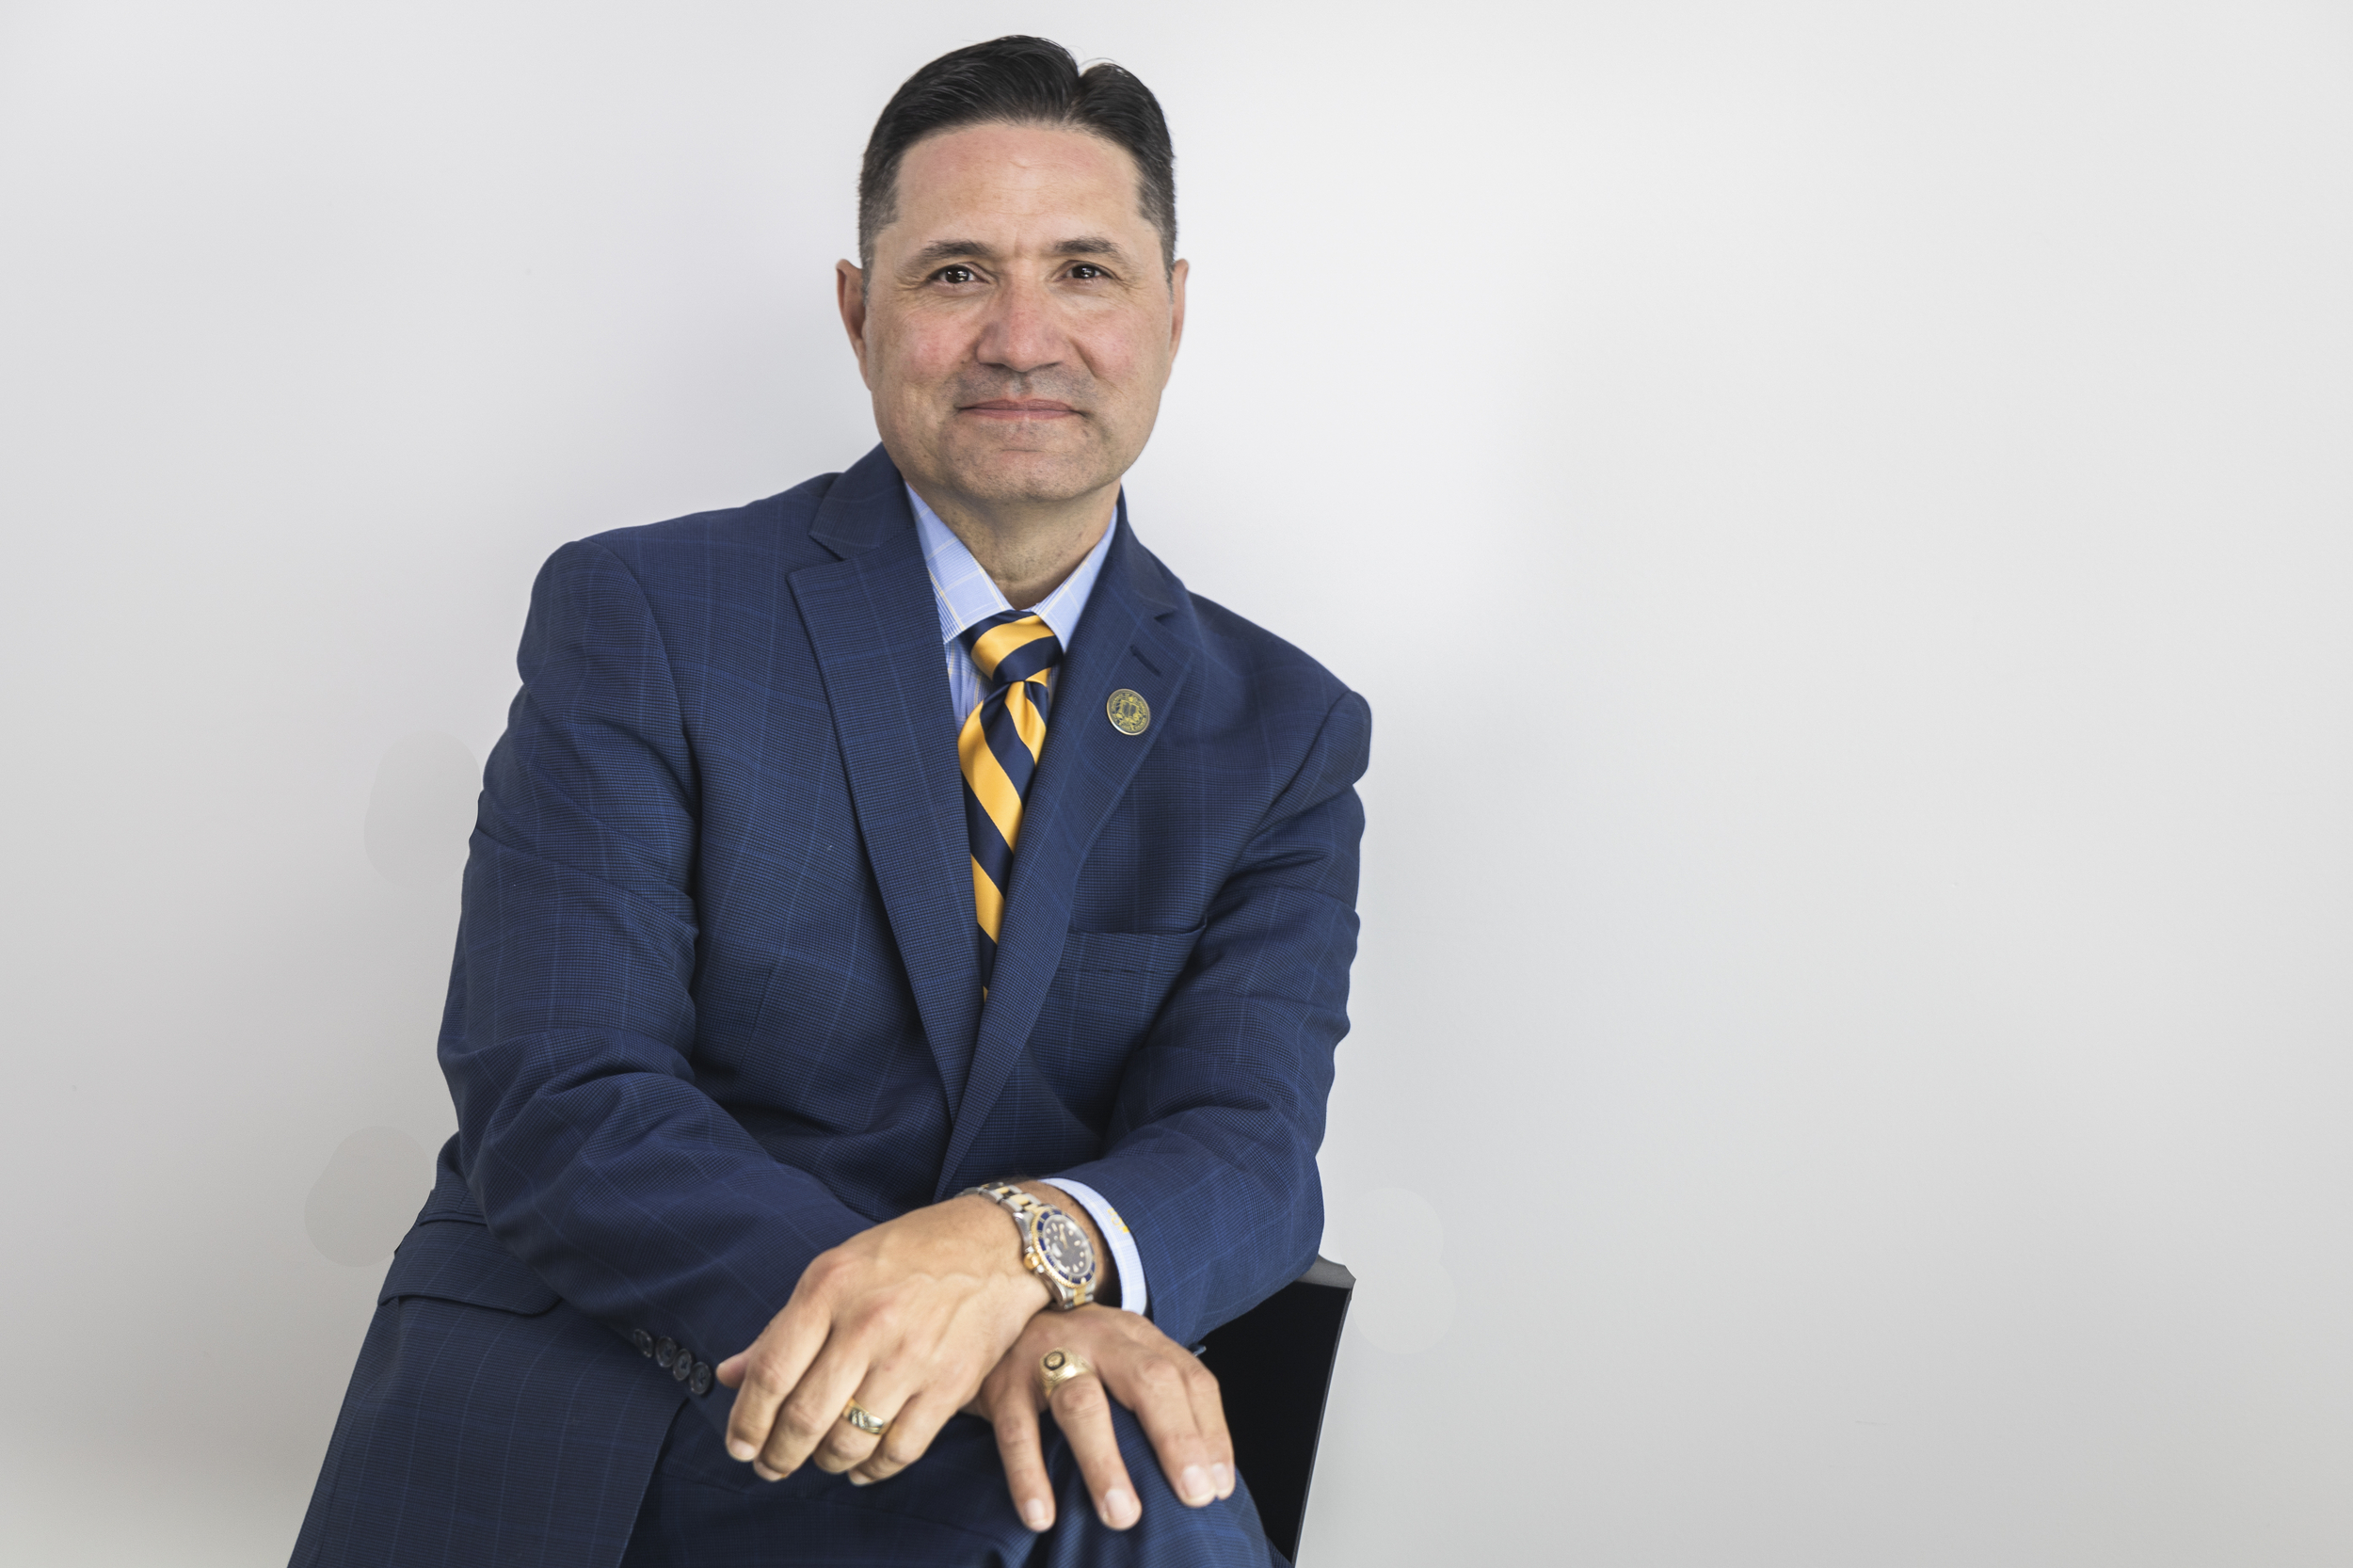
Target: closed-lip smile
(1020, 408)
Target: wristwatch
(1054, 1247)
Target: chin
(1029, 476)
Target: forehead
(1013, 176)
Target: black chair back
(1273, 1367)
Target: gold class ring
(863, 1418)
(1056, 1368)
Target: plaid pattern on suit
(716, 1004)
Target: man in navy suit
(904, 946)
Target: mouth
(1020, 409)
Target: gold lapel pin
(1128, 712)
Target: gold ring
(863, 1418)
(1057, 1368)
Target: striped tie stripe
(998, 751)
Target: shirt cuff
(1132, 1295)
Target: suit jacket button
(664, 1352)
(700, 1384)
(682, 1366)
(642, 1340)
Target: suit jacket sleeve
(587, 1145)
(1210, 1153)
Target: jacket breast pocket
(1157, 955)
(1108, 988)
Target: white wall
(1841, 513)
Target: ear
(849, 290)
(1177, 276)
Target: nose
(1020, 333)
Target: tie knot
(1011, 646)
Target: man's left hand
(905, 1319)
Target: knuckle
(1079, 1397)
(1160, 1377)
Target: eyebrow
(949, 251)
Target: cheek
(918, 355)
(1131, 355)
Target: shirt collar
(966, 596)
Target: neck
(1026, 550)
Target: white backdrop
(1841, 512)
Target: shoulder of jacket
(775, 526)
(1272, 667)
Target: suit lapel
(874, 624)
(1122, 642)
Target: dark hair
(1018, 80)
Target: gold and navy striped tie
(998, 749)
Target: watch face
(1064, 1247)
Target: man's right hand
(1172, 1395)
(907, 1319)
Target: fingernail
(856, 1480)
(1225, 1479)
(1196, 1484)
(1033, 1513)
(1119, 1508)
(765, 1473)
(742, 1449)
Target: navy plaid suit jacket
(717, 1005)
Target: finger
(1083, 1411)
(766, 1373)
(1158, 1388)
(1208, 1414)
(813, 1409)
(911, 1433)
(883, 1393)
(843, 1446)
(1011, 1405)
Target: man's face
(1016, 326)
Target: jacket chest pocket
(1124, 973)
(1108, 988)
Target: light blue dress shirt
(967, 595)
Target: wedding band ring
(863, 1418)
(1057, 1368)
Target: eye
(956, 274)
(1087, 272)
